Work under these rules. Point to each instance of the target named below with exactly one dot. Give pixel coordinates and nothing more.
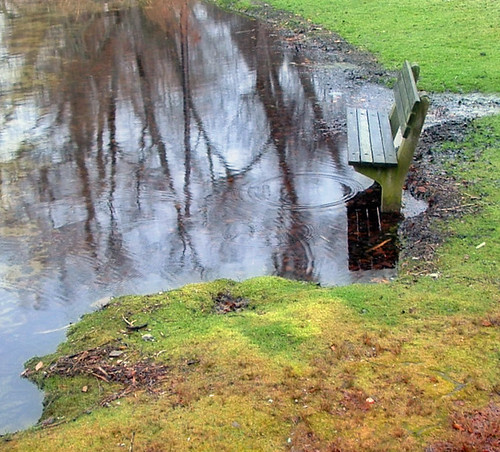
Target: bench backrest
(406, 99)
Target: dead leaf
(39, 366)
(458, 427)
(85, 388)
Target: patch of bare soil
(225, 302)
(475, 431)
(428, 180)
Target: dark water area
(145, 148)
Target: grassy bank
(381, 367)
(293, 366)
(455, 42)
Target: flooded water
(145, 148)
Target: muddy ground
(448, 120)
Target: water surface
(142, 149)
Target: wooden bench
(381, 145)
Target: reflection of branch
(114, 238)
(80, 139)
(151, 124)
(295, 258)
(186, 96)
(319, 120)
(140, 166)
(257, 158)
(211, 149)
(190, 107)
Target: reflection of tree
(164, 16)
(293, 258)
(91, 78)
(128, 123)
(287, 121)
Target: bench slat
(353, 136)
(410, 84)
(407, 98)
(386, 134)
(377, 145)
(402, 103)
(411, 94)
(364, 136)
(369, 138)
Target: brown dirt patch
(225, 302)
(475, 431)
(425, 180)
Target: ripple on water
(305, 191)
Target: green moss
(371, 367)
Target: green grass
(297, 366)
(455, 42)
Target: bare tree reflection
(143, 166)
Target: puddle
(411, 206)
(140, 152)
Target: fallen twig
(131, 448)
(128, 322)
(463, 206)
(137, 328)
(380, 245)
(99, 376)
(131, 326)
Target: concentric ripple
(305, 191)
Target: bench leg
(391, 180)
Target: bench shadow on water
(142, 149)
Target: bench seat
(370, 140)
